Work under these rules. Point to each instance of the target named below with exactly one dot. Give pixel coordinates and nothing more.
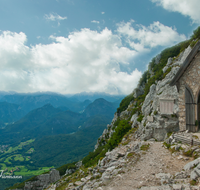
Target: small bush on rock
(145, 147)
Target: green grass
(19, 147)
(31, 150)
(25, 172)
(7, 160)
(19, 157)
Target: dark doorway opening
(189, 106)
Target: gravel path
(156, 160)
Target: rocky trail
(153, 165)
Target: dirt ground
(156, 160)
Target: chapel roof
(186, 63)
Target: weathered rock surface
(43, 181)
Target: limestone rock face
(42, 181)
(138, 91)
(155, 124)
(160, 124)
(146, 108)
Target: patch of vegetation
(196, 34)
(193, 182)
(93, 157)
(131, 154)
(188, 153)
(122, 128)
(125, 102)
(62, 169)
(145, 147)
(174, 116)
(140, 117)
(195, 136)
(167, 145)
(193, 43)
(169, 134)
(167, 71)
(195, 155)
(155, 112)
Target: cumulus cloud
(142, 38)
(102, 13)
(186, 7)
(86, 60)
(54, 17)
(95, 21)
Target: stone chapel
(187, 81)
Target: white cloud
(102, 13)
(84, 61)
(54, 17)
(95, 21)
(142, 38)
(186, 7)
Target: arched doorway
(198, 112)
(189, 106)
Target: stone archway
(189, 110)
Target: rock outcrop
(155, 124)
(42, 181)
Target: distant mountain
(96, 95)
(3, 93)
(40, 122)
(59, 149)
(10, 112)
(100, 107)
(49, 136)
(29, 102)
(76, 103)
(47, 120)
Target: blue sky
(71, 46)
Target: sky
(73, 46)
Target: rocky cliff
(153, 124)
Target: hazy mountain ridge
(10, 112)
(53, 131)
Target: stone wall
(190, 79)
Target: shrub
(188, 153)
(167, 145)
(62, 169)
(196, 34)
(140, 117)
(124, 103)
(145, 147)
(122, 128)
(93, 157)
(167, 71)
(174, 116)
(193, 182)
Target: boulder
(192, 164)
(42, 181)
